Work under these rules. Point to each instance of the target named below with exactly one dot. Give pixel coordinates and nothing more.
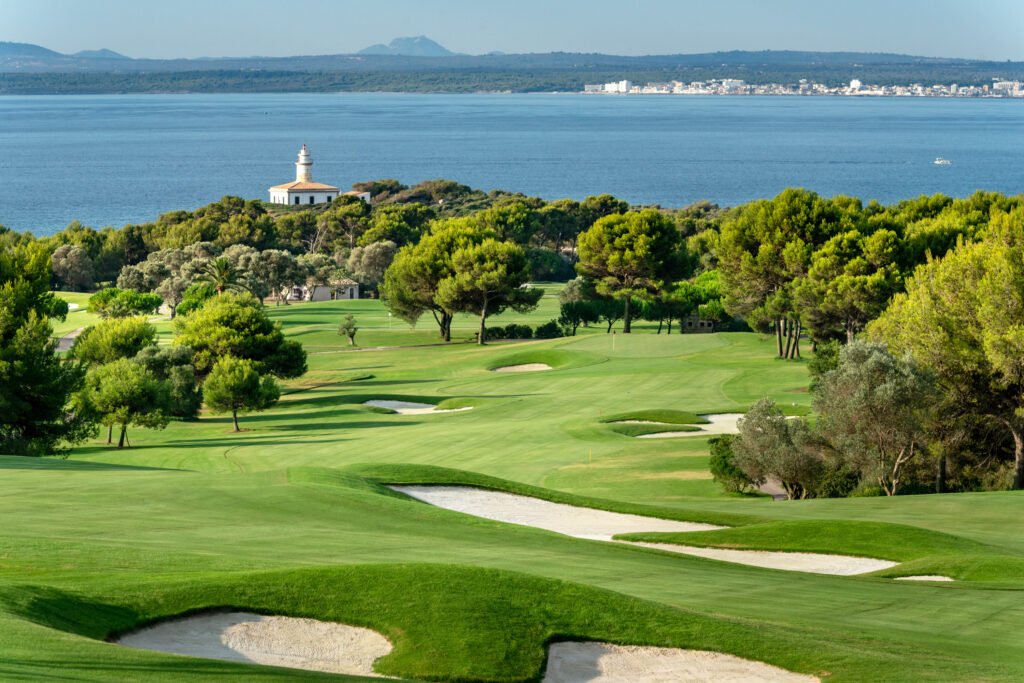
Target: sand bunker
(525, 367)
(814, 563)
(565, 519)
(276, 641)
(591, 662)
(924, 577)
(720, 423)
(411, 408)
(601, 525)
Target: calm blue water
(116, 159)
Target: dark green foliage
(546, 266)
(194, 297)
(123, 393)
(237, 325)
(837, 481)
(731, 477)
(825, 359)
(122, 303)
(112, 339)
(572, 314)
(515, 331)
(549, 330)
(174, 365)
(235, 386)
(35, 387)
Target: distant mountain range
(419, 64)
(422, 53)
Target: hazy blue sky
(990, 29)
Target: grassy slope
(103, 543)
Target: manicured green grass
(293, 518)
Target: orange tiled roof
(299, 186)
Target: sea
(118, 159)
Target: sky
(979, 29)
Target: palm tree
(222, 274)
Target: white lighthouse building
(304, 190)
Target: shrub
(868, 492)
(514, 331)
(549, 330)
(492, 333)
(837, 482)
(732, 478)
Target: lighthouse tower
(304, 166)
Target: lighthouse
(304, 166)
(303, 190)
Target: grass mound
(557, 359)
(447, 622)
(666, 415)
(638, 430)
(442, 476)
(669, 421)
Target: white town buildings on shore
(304, 190)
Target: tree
(235, 386)
(348, 329)
(766, 247)
(237, 325)
(411, 283)
(113, 339)
(368, 264)
(849, 282)
(604, 205)
(401, 224)
(874, 409)
(572, 314)
(222, 274)
(628, 256)
(35, 386)
(961, 317)
(278, 269)
(514, 221)
(723, 469)
(770, 446)
(125, 393)
(72, 267)
(486, 279)
(195, 297)
(351, 215)
(173, 364)
(123, 303)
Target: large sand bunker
(601, 525)
(722, 423)
(815, 563)
(565, 519)
(524, 367)
(412, 408)
(591, 662)
(276, 641)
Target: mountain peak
(103, 53)
(417, 46)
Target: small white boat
(939, 161)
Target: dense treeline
(484, 79)
(931, 401)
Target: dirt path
(65, 343)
